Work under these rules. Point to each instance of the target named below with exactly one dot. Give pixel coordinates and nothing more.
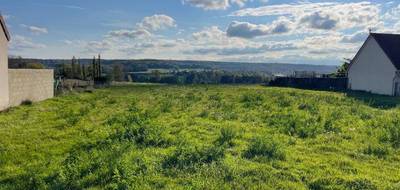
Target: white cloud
(132, 34)
(157, 22)
(35, 29)
(211, 33)
(259, 49)
(357, 37)
(208, 4)
(318, 20)
(146, 27)
(21, 43)
(217, 4)
(249, 30)
(97, 46)
(326, 15)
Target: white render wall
(4, 100)
(30, 84)
(372, 70)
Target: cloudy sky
(314, 32)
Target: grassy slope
(202, 137)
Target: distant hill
(146, 64)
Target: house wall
(3, 71)
(30, 84)
(372, 70)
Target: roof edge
(380, 46)
(4, 26)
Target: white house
(4, 38)
(376, 66)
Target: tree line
(202, 77)
(77, 70)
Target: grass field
(202, 137)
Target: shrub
(265, 147)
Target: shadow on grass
(374, 100)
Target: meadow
(202, 137)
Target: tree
(78, 70)
(94, 68)
(73, 62)
(342, 70)
(157, 75)
(83, 69)
(118, 72)
(35, 65)
(99, 67)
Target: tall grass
(202, 137)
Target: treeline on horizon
(202, 77)
(141, 65)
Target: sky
(260, 31)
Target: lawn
(202, 137)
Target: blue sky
(314, 32)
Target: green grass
(202, 137)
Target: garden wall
(311, 83)
(30, 84)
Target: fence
(311, 83)
(29, 84)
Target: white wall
(4, 100)
(372, 70)
(30, 84)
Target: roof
(390, 44)
(4, 27)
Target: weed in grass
(377, 150)
(187, 157)
(265, 147)
(227, 136)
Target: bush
(265, 147)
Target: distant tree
(83, 69)
(118, 72)
(35, 66)
(157, 75)
(342, 70)
(99, 71)
(78, 70)
(73, 63)
(94, 68)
